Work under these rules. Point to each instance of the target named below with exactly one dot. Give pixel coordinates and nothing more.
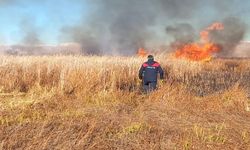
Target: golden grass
(79, 102)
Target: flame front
(203, 50)
(142, 52)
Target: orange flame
(203, 50)
(142, 52)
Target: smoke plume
(227, 39)
(182, 33)
(121, 27)
(230, 37)
(124, 26)
(30, 43)
(30, 32)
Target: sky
(49, 17)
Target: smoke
(30, 32)
(86, 38)
(233, 33)
(30, 42)
(7, 2)
(4, 1)
(182, 33)
(179, 8)
(124, 26)
(227, 39)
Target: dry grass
(77, 102)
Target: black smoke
(227, 39)
(182, 34)
(233, 33)
(117, 26)
(123, 26)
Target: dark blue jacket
(149, 71)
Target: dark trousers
(149, 86)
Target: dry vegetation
(77, 102)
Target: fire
(204, 49)
(142, 52)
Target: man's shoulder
(156, 64)
(145, 64)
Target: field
(80, 102)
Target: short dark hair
(150, 57)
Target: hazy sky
(47, 18)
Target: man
(148, 74)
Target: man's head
(150, 57)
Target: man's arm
(161, 72)
(141, 72)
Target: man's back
(149, 72)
